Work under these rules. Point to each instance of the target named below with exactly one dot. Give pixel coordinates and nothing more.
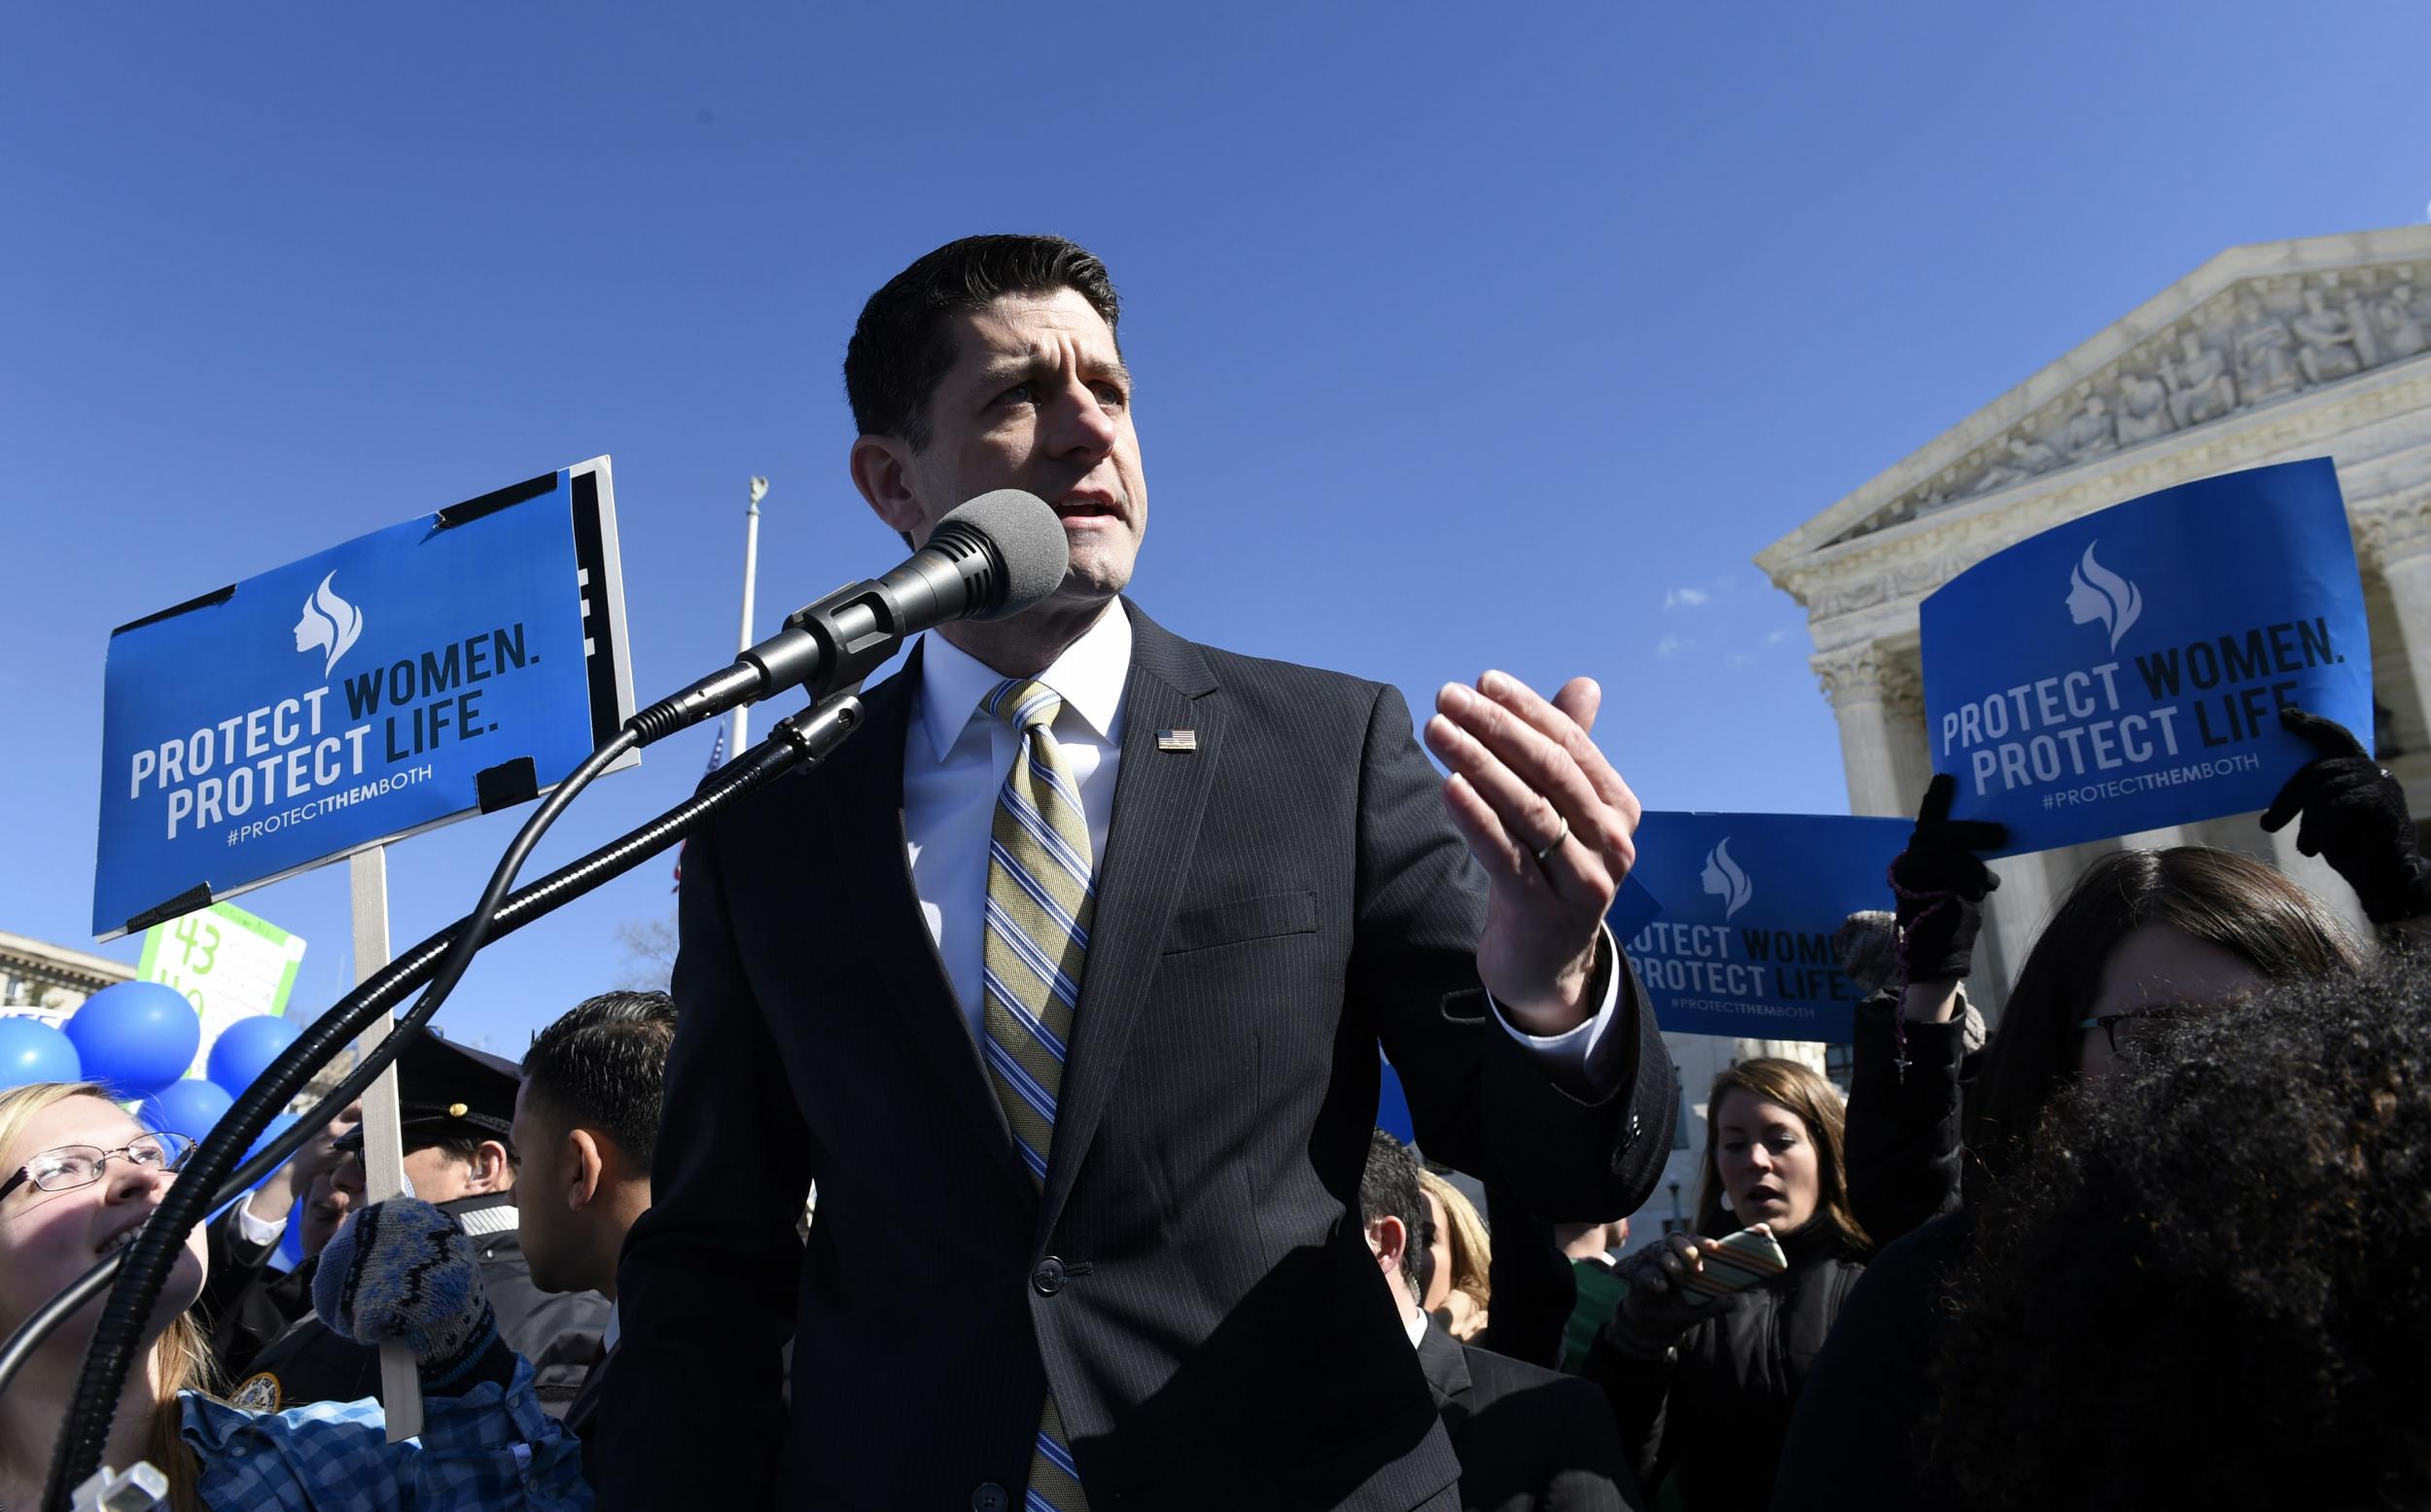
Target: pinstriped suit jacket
(1193, 1281)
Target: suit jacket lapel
(862, 795)
(1159, 796)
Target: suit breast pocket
(1266, 916)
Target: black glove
(1941, 884)
(2355, 818)
(1656, 1310)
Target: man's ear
(491, 1168)
(1388, 1239)
(881, 467)
(583, 1165)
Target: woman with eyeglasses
(79, 1177)
(2142, 938)
(2206, 1288)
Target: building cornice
(74, 966)
(2255, 331)
(2390, 484)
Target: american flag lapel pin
(1177, 740)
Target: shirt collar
(1089, 676)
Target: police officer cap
(446, 1089)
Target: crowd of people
(2157, 1237)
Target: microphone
(990, 558)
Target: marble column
(2396, 543)
(1886, 756)
(2243, 833)
(1911, 743)
(1876, 698)
(2319, 878)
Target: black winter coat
(1904, 1146)
(1715, 1409)
(1857, 1438)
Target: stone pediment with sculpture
(2256, 342)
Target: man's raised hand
(1550, 821)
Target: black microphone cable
(143, 1266)
(994, 555)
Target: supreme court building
(2265, 353)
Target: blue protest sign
(1749, 905)
(2125, 670)
(462, 660)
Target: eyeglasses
(71, 1166)
(2137, 1029)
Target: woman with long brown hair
(1703, 1383)
(79, 1177)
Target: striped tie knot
(1024, 703)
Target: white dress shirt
(955, 758)
(260, 1233)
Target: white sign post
(383, 1138)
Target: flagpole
(751, 579)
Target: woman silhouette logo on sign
(329, 623)
(2096, 593)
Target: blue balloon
(32, 1050)
(190, 1107)
(136, 1038)
(246, 1048)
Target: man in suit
(1527, 1437)
(585, 1126)
(454, 1106)
(1064, 980)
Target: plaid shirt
(483, 1451)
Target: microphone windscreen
(1028, 536)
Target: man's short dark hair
(602, 1067)
(901, 349)
(1388, 1188)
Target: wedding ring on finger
(1554, 844)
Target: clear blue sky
(1466, 336)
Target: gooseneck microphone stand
(994, 555)
(212, 1175)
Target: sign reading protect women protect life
(462, 660)
(2125, 670)
(1732, 934)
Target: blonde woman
(1458, 1254)
(78, 1178)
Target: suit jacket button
(1049, 1278)
(988, 1498)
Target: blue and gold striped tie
(1039, 900)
